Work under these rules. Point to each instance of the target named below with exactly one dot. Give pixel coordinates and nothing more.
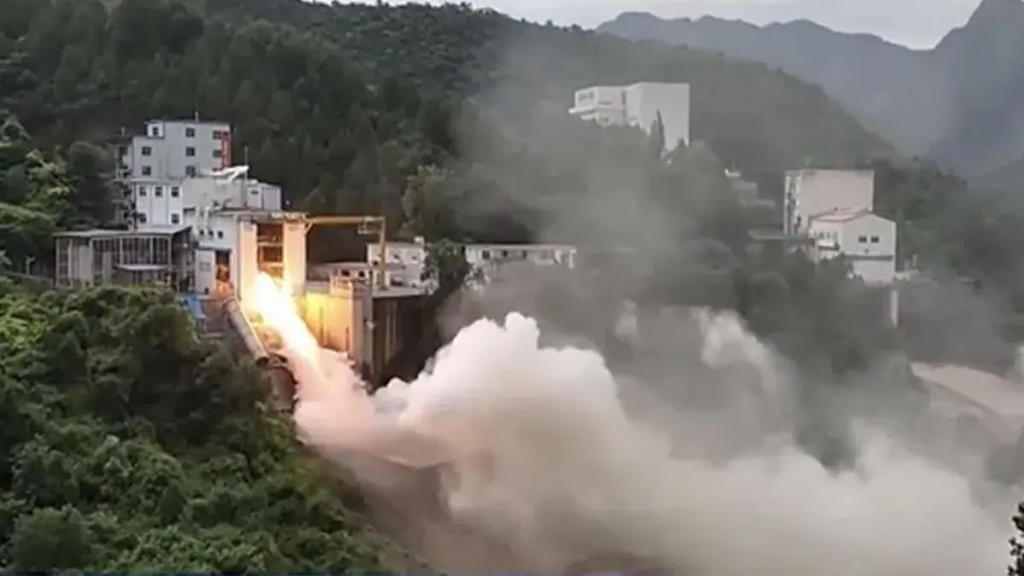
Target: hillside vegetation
(132, 447)
(751, 116)
(129, 447)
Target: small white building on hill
(638, 105)
(809, 192)
(867, 241)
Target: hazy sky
(916, 23)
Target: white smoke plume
(537, 453)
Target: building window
(142, 218)
(874, 239)
(254, 191)
(218, 153)
(220, 234)
(175, 191)
(147, 151)
(486, 255)
(175, 219)
(190, 132)
(147, 171)
(190, 171)
(158, 191)
(190, 152)
(862, 239)
(142, 190)
(154, 131)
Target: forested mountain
(516, 64)
(128, 446)
(132, 447)
(953, 103)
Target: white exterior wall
(868, 241)
(168, 144)
(159, 202)
(295, 256)
(223, 193)
(213, 230)
(813, 192)
(410, 256)
(244, 268)
(646, 99)
(206, 270)
(486, 257)
(161, 158)
(638, 105)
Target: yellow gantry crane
(367, 225)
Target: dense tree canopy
(129, 446)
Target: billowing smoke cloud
(516, 452)
(538, 460)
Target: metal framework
(367, 225)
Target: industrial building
(834, 210)
(208, 231)
(158, 254)
(867, 242)
(638, 105)
(152, 166)
(811, 192)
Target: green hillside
(752, 116)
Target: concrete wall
(867, 241)
(638, 105)
(812, 192)
(342, 320)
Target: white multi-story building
(487, 259)
(812, 192)
(638, 105)
(167, 204)
(153, 166)
(406, 261)
(865, 240)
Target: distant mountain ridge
(959, 103)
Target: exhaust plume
(533, 449)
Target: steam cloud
(539, 453)
(681, 459)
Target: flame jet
(326, 380)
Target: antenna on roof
(197, 115)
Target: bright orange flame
(278, 310)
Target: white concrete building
(867, 241)
(486, 259)
(812, 192)
(158, 254)
(180, 203)
(638, 105)
(405, 265)
(157, 162)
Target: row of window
(158, 191)
(209, 233)
(190, 151)
(833, 235)
(175, 218)
(190, 171)
(190, 132)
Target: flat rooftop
(323, 287)
(101, 233)
(994, 394)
